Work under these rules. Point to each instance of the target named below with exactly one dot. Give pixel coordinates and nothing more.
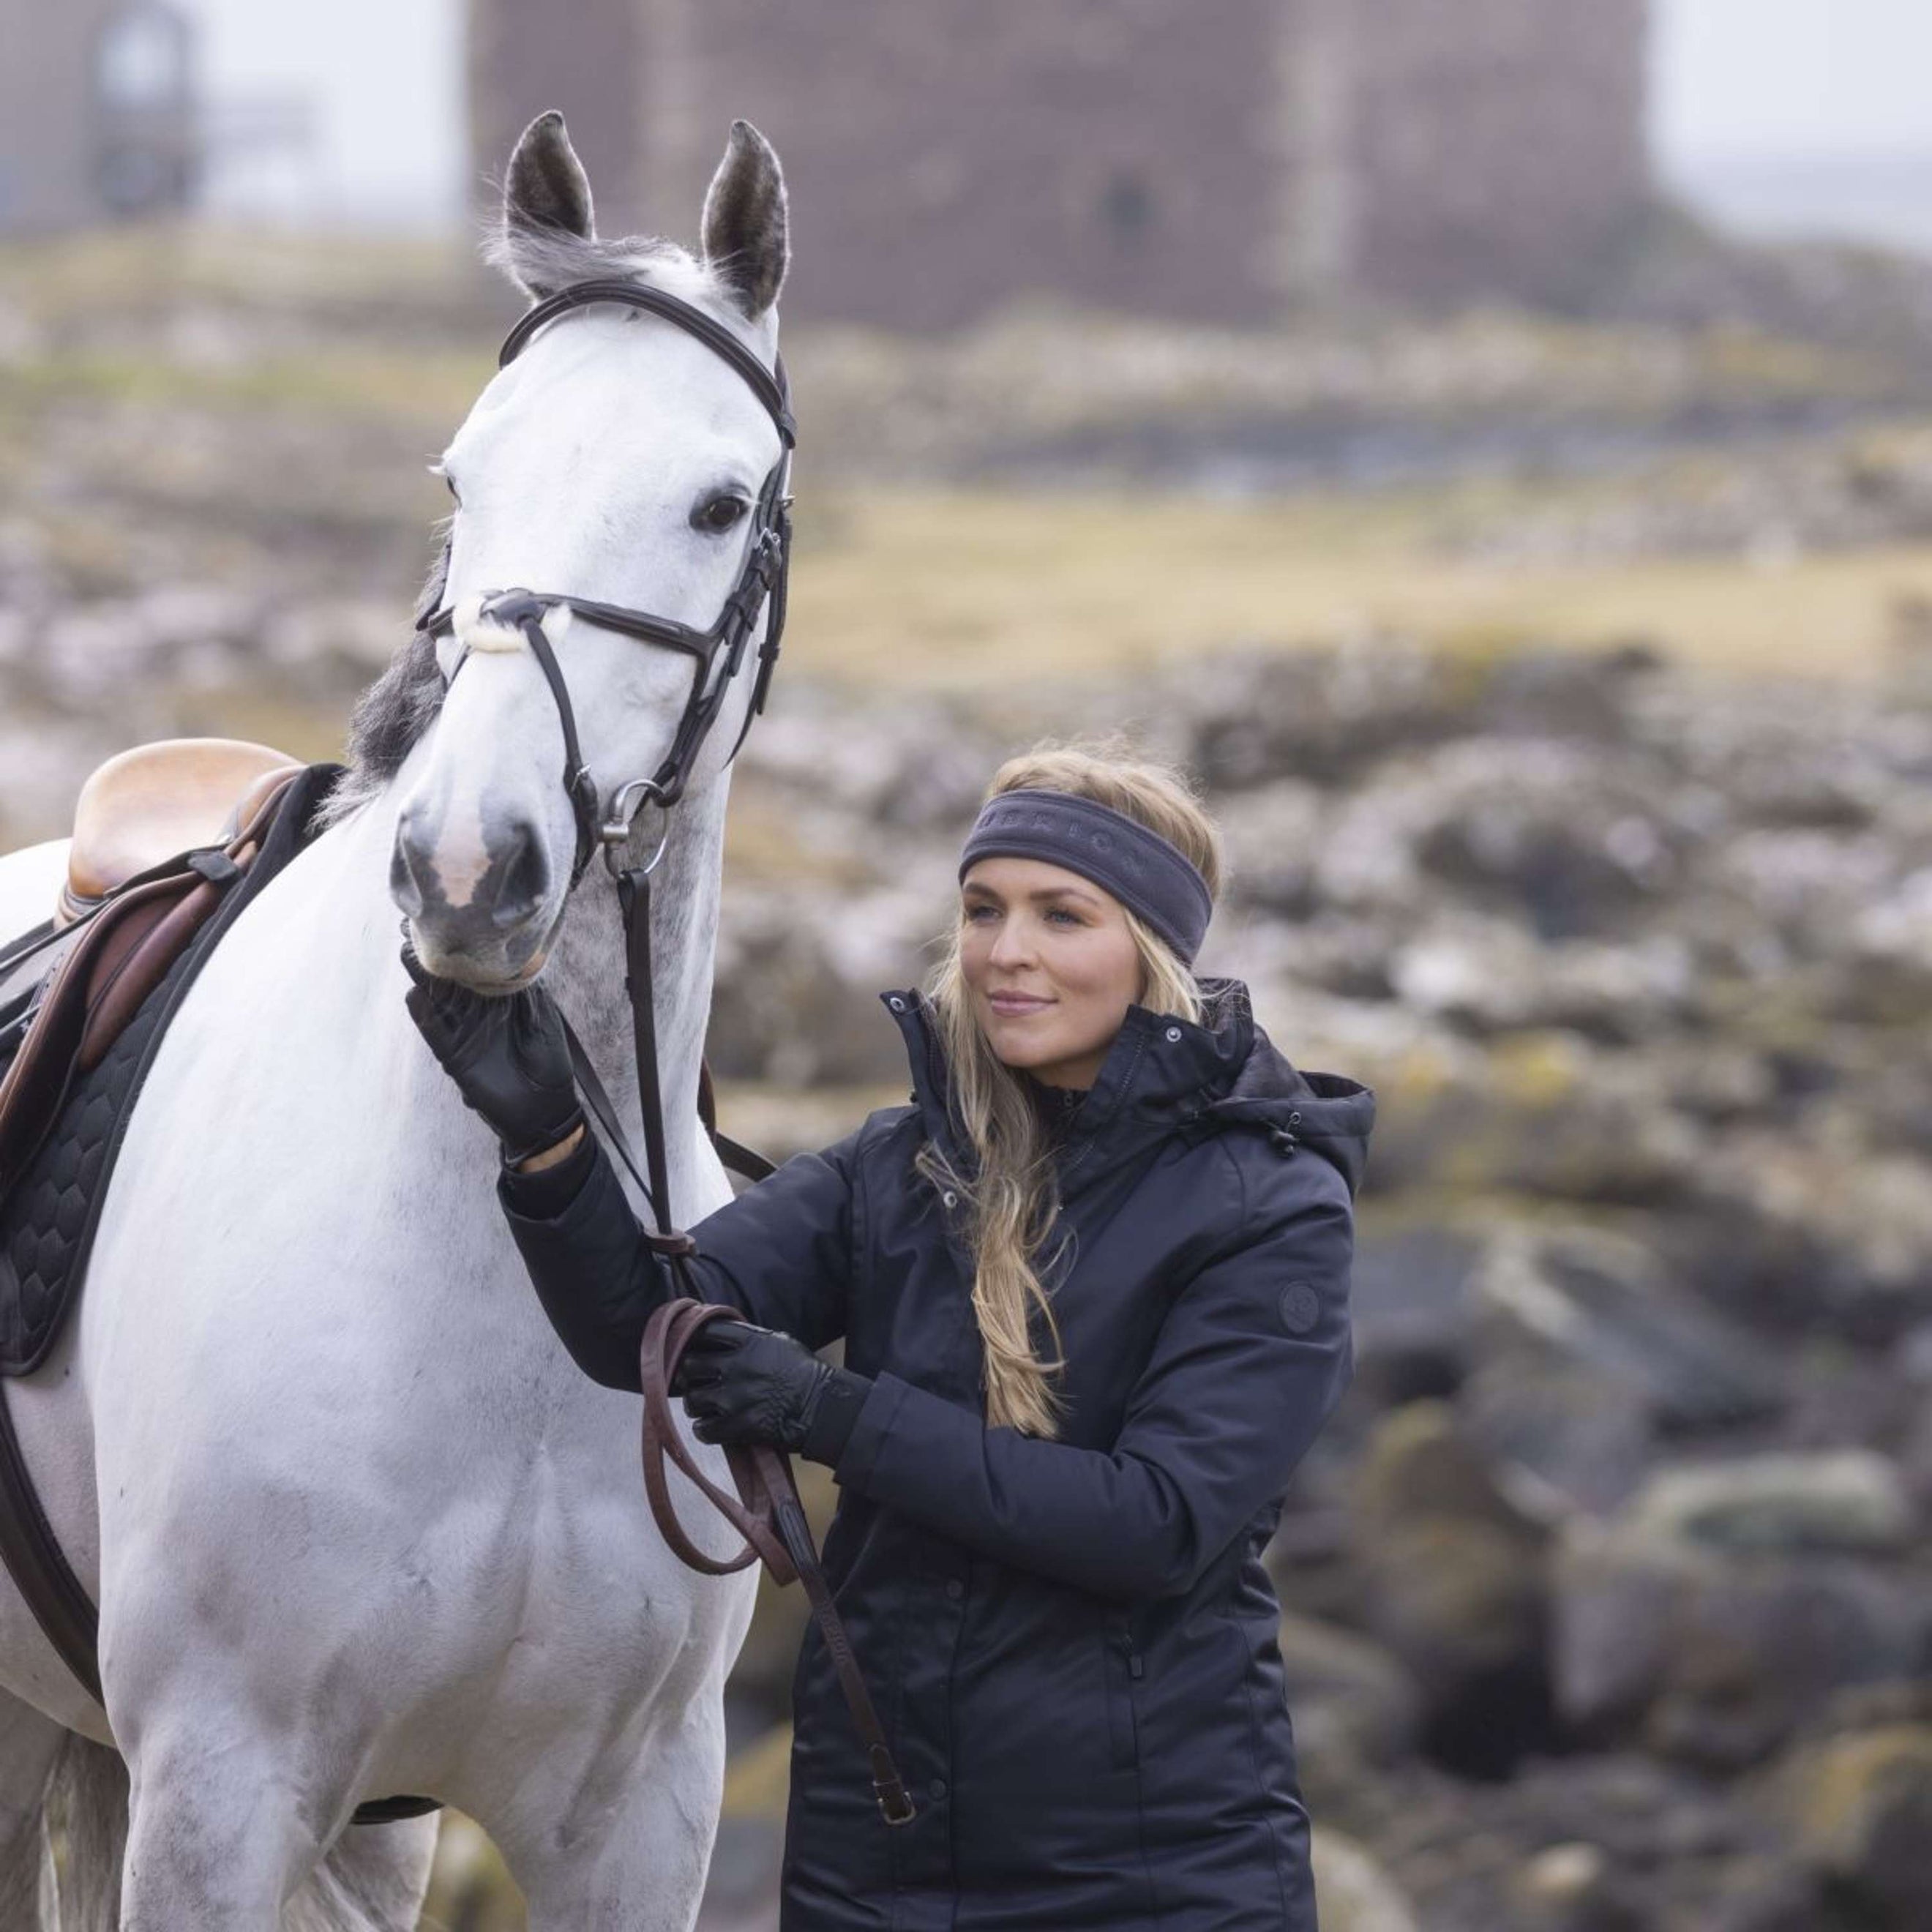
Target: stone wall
(1499, 145)
(47, 139)
(943, 157)
(1214, 160)
(583, 56)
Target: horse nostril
(411, 875)
(522, 872)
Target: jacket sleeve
(1252, 1357)
(780, 1253)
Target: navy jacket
(1072, 1643)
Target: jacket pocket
(1125, 1667)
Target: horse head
(618, 464)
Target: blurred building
(1217, 159)
(96, 111)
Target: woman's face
(1050, 964)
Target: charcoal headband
(1147, 874)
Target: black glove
(744, 1384)
(508, 1055)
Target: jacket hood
(1164, 1075)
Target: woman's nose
(1012, 945)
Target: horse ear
(745, 227)
(546, 202)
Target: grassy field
(932, 587)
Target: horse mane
(392, 716)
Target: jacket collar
(1163, 1075)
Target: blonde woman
(1093, 1287)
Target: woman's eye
(720, 514)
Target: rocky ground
(1609, 1600)
(1609, 1592)
(1608, 1595)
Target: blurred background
(1491, 444)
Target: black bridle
(772, 1509)
(717, 652)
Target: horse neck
(587, 975)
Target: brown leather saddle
(161, 834)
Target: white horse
(356, 1525)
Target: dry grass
(964, 589)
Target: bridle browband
(767, 1513)
(761, 584)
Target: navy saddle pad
(47, 1222)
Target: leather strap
(771, 387)
(767, 1512)
(39, 1566)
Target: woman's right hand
(508, 1054)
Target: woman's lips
(1014, 1004)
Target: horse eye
(718, 513)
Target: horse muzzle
(480, 909)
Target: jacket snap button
(954, 1588)
(1173, 1033)
(951, 1199)
(897, 1004)
(937, 1788)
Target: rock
(1316, 715)
(1571, 837)
(1405, 1305)
(1452, 1586)
(1418, 1468)
(1487, 975)
(1765, 1893)
(1849, 1500)
(1573, 1888)
(1351, 1700)
(1271, 835)
(1837, 1242)
(1354, 1894)
(1863, 1808)
(1714, 1656)
(1567, 692)
(1586, 1438)
(1599, 1302)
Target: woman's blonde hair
(1011, 1200)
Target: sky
(1782, 103)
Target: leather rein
(766, 1511)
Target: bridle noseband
(761, 585)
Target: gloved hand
(508, 1055)
(744, 1384)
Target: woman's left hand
(744, 1383)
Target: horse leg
(374, 1878)
(214, 1837)
(634, 1858)
(223, 1835)
(29, 1745)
